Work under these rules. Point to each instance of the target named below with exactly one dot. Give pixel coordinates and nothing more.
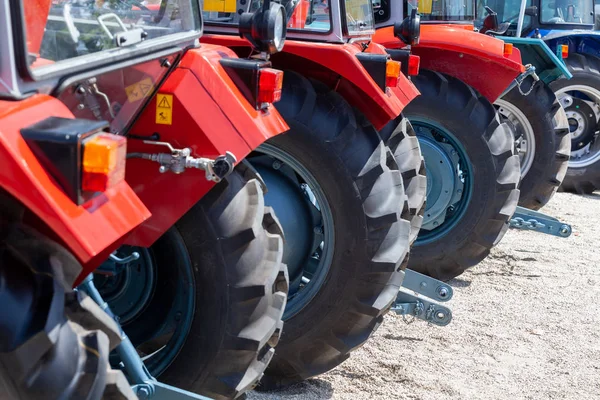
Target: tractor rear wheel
(346, 223)
(472, 175)
(401, 139)
(541, 131)
(54, 343)
(580, 97)
(203, 305)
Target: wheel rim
(307, 220)
(449, 180)
(136, 293)
(522, 131)
(581, 104)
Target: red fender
(337, 66)
(90, 231)
(476, 59)
(210, 116)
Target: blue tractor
(568, 28)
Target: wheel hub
(522, 131)
(448, 180)
(582, 123)
(130, 286)
(306, 218)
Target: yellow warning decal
(164, 109)
(220, 5)
(139, 90)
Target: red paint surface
(458, 51)
(210, 116)
(337, 66)
(89, 230)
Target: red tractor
(339, 191)
(477, 103)
(123, 144)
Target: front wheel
(472, 175)
(540, 126)
(580, 96)
(54, 343)
(345, 218)
(203, 305)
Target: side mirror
(490, 23)
(409, 30)
(265, 29)
(531, 11)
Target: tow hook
(529, 71)
(180, 159)
(419, 298)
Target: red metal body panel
(210, 116)
(458, 51)
(337, 66)
(90, 231)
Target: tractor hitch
(518, 81)
(143, 384)
(421, 304)
(526, 219)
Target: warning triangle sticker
(164, 103)
(145, 88)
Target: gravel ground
(526, 326)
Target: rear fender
(476, 59)
(210, 116)
(337, 66)
(90, 231)
(583, 42)
(537, 53)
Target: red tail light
(392, 72)
(564, 49)
(270, 83)
(103, 162)
(414, 63)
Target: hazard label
(139, 90)
(220, 6)
(164, 109)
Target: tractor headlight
(265, 29)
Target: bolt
(459, 191)
(435, 223)
(80, 106)
(443, 292)
(564, 230)
(318, 230)
(143, 393)
(277, 164)
(440, 315)
(81, 89)
(423, 285)
(165, 63)
(453, 152)
(461, 55)
(162, 169)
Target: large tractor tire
(580, 97)
(205, 301)
(54, 343)
(401, 139)
(541, 131)
(346, 223)
(472, 175)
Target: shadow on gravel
(459, 283)
(593, 196)
(309, 388)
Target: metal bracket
(529, 71)
(526, 219)
(420, 305)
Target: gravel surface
(526, 326)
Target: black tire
(473, 121)
(403, 143)
(235, 245)
(586, 72)
(550, 128)
(54, 343)
(348, 160)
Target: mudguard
(537, 53)
(476, 59)
(337, 66)
(579, 41)
(90, 231)
(208, 114)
